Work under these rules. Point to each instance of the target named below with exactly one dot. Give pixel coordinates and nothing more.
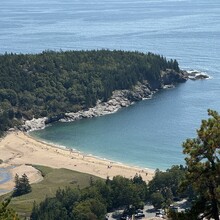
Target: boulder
(34, 124)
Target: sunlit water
(149, 133)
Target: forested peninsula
(53, 84)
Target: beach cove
(19, 151)
(185, 30)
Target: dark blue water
(150, 133)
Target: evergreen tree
(17, 182)
(93, 202)
(164, 186)
(49, 83)
(7, 213)
(176, 66)
(203, 165)
(22, 185)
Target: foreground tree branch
(203, 166)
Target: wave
(197, 74)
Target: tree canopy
(203, 166)
(50, 83)
(7, 213)
(164, 187)
(93, 202)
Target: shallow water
(5, 176)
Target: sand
(18, 150)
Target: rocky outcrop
(54, 118)
(170, 77)
(119, 99)
(195, 75)
(140, 91)
(34, 124)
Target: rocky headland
(119, 99)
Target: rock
(34, 124)
(170, 77)
(201, 76)
(119, 99)
(196, 75)
(12, 129)
(168, 86)
(54, 118)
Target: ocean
(149, 133)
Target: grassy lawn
(53, 179)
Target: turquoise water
(149, 133)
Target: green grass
(53, 179)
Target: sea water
(149, 133)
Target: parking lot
(148, 211)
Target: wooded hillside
(51, 83)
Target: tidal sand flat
(19, 151)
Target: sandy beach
(18, 150)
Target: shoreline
(87, 155)
(19, 151)
(119, 99)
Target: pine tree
(22, 185)
(7, 213)
(176, 66)
(203, 164)
(26, 187)
(16, 181)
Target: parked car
(139, 215)
(174, 208)
(159, 215)
(139, 211)
(125, 217)
(161, 211)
